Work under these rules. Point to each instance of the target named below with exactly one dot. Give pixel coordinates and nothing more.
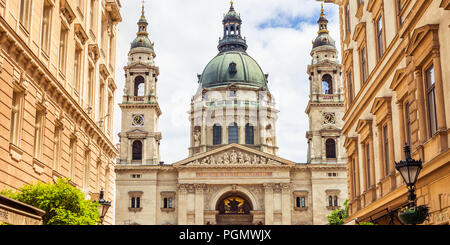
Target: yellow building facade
(57, 87)
(396, 78)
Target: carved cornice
(104, 71)
(94, 52)
(399, 75)
(67, 11)
(113, 8)
(426, 36)
(80, 33)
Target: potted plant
(414, 215)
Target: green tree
(338, 216)
(63, 204)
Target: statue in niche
(197, 136)
(233, 157)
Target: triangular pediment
(234, 155)
(330, 128)
(136, 131)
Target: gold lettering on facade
(234, 174)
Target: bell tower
(139, 136)
(326, 106)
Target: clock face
(329, 118)
(138, 120)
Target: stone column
(268, 204)
(241, 134)
(286, 204)
(224, 133)
(401, 118)
(440, 102)
(323, 149)
(420, 106)
(182, 204)
(199, 204)
(129, 152)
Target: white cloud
(186, 34)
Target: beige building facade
(233, 174)
(57, 87)
(396, 78)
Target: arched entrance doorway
(234, 209)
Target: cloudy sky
(186, 33)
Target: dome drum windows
(249, 134)
(217, 134)
(233, 133)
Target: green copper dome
(233, 67)
(142, 41)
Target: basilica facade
(233, 174)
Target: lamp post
(409, 170)
(104, 206)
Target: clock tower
(326, 106)
(139, 136)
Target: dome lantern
(323, 39)
(233, 65)
(232, 39)
(142, 40)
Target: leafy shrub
(63, 204)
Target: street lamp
(409, 170)
(104, 206)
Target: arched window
(139, 86)
(330, 201)
(327, 84)
(217, 134)
(233, 134)
(335, 201)
(137, 150)
(249, 134)
(330, 148)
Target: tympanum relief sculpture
(235, 157)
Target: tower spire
(323, 21)
(142, 23)
(232, 39)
